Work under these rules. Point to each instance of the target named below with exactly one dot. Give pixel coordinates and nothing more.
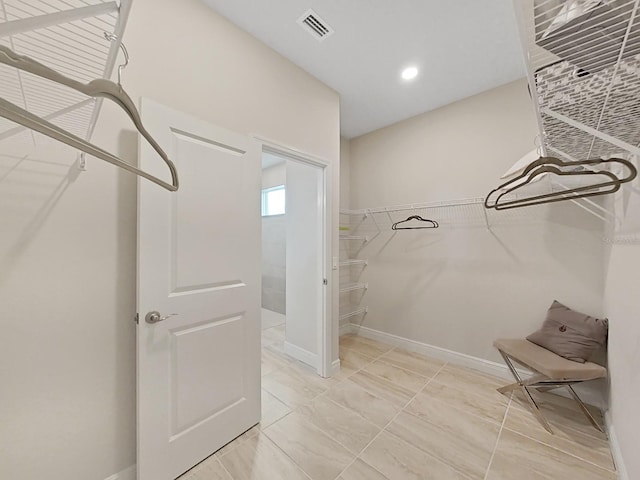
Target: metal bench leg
(509, 388)
(520, 383)
(584, 409)
(525, 383)
(547, 389)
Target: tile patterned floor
(394, 415)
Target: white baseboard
(457, 358)
(616, 452)
(305, 356)
(346, 329)
(128, 473)
(335, 367)
(588, 395)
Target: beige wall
(67, 249)
(461, 287)
(623, 310)
(456, 151)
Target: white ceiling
(462, 47)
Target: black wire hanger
(432, 223)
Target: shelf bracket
(82, 162)
(47, 20)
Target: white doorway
(295, 257)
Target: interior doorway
(294, 256)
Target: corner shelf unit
(360, 311)
(353, 287)
(353, 262)
(362, 238)
(352, 268)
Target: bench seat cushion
(548, 363)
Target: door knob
(154, 317)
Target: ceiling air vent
(316, 27)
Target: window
(273, 201)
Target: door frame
(324, 364)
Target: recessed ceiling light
(410, 73)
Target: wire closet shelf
(69, 36)
(583, 67)
(583, 62)
(468, 212)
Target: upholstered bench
(550, 371)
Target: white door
(305, 262)
(198, 258)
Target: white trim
(346, 329)
(462, 359)
(614, 445)
(588, 395)
(305, 356)
(129, 473)
(325, 330)
(335, 367)
(323, 362)
(290, 152)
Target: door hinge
(325, 281)
(136, 318)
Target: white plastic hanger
(96, 88)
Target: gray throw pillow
(570, 334)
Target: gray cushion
(570, 334)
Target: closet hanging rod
(99, 88)
(426, 205)
(416, 206)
